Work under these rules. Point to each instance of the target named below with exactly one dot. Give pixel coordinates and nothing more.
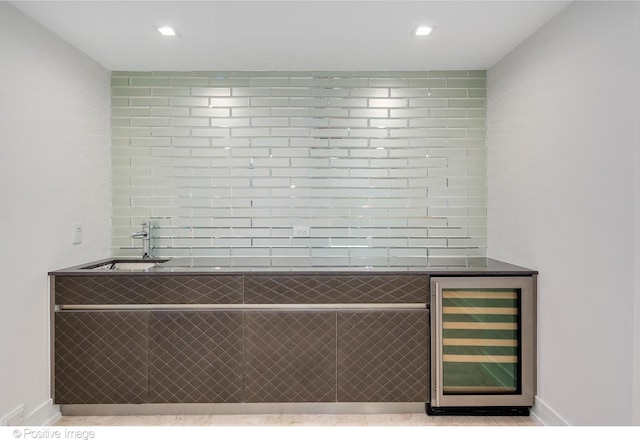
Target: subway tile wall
(385, 169)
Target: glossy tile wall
(384, 169)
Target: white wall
(54, 171)
(562, 185)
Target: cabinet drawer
(141, 289)
(336, 289)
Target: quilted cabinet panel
(195, 357)
(156, 289)
(383, 356)
(101, 357)
(290, 356)
(332, 289)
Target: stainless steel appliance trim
(242, 408)
(527, 285)
(226, 307)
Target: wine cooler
(482, 345)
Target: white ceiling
(293, 35)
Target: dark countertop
(477, 266)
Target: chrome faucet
(145, 236)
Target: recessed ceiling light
(422, 31)
(166, 31)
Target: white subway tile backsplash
(210, 132)
(150, 122)
(119, 102)
(130, 91)
(345, 102)
(119, 81)
(369, 92)
(269, 81)
(331, 112)
(130, 131)
(388, 123)
(290, 132)
(368, 113)
(326, 133)
(193, 81)
(427, 82)
(387, 169)
(410, 113)
(348, 122)
(170, 91)
(269, 102)
(189, 122)
(129, 111)
(210, 112)
(188, 102)
(478, 93)
(388, 82)
(120, 122)
(228, 102)
(251, 132)
(210, 91)
(428, 102)
(409, 92)
(477, 112)
(369, 132)
(388, 102)
(467, 103)
(467, 82)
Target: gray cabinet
(290, 356)
(241, 338)
(344, 356)
(383, 356)
(142, 356)
(101, 357)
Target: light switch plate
(77, 233)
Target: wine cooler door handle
(437, 371)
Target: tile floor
(297, 420)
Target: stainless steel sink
(123, 264)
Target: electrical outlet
(301, 231)
(77, 233)
(16, 417)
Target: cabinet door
(101, 357)
(383, 356)
(290, 356)
(195, 357)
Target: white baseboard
(545, 415)
(45, 415)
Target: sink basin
(126, 265)
(132, 266)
